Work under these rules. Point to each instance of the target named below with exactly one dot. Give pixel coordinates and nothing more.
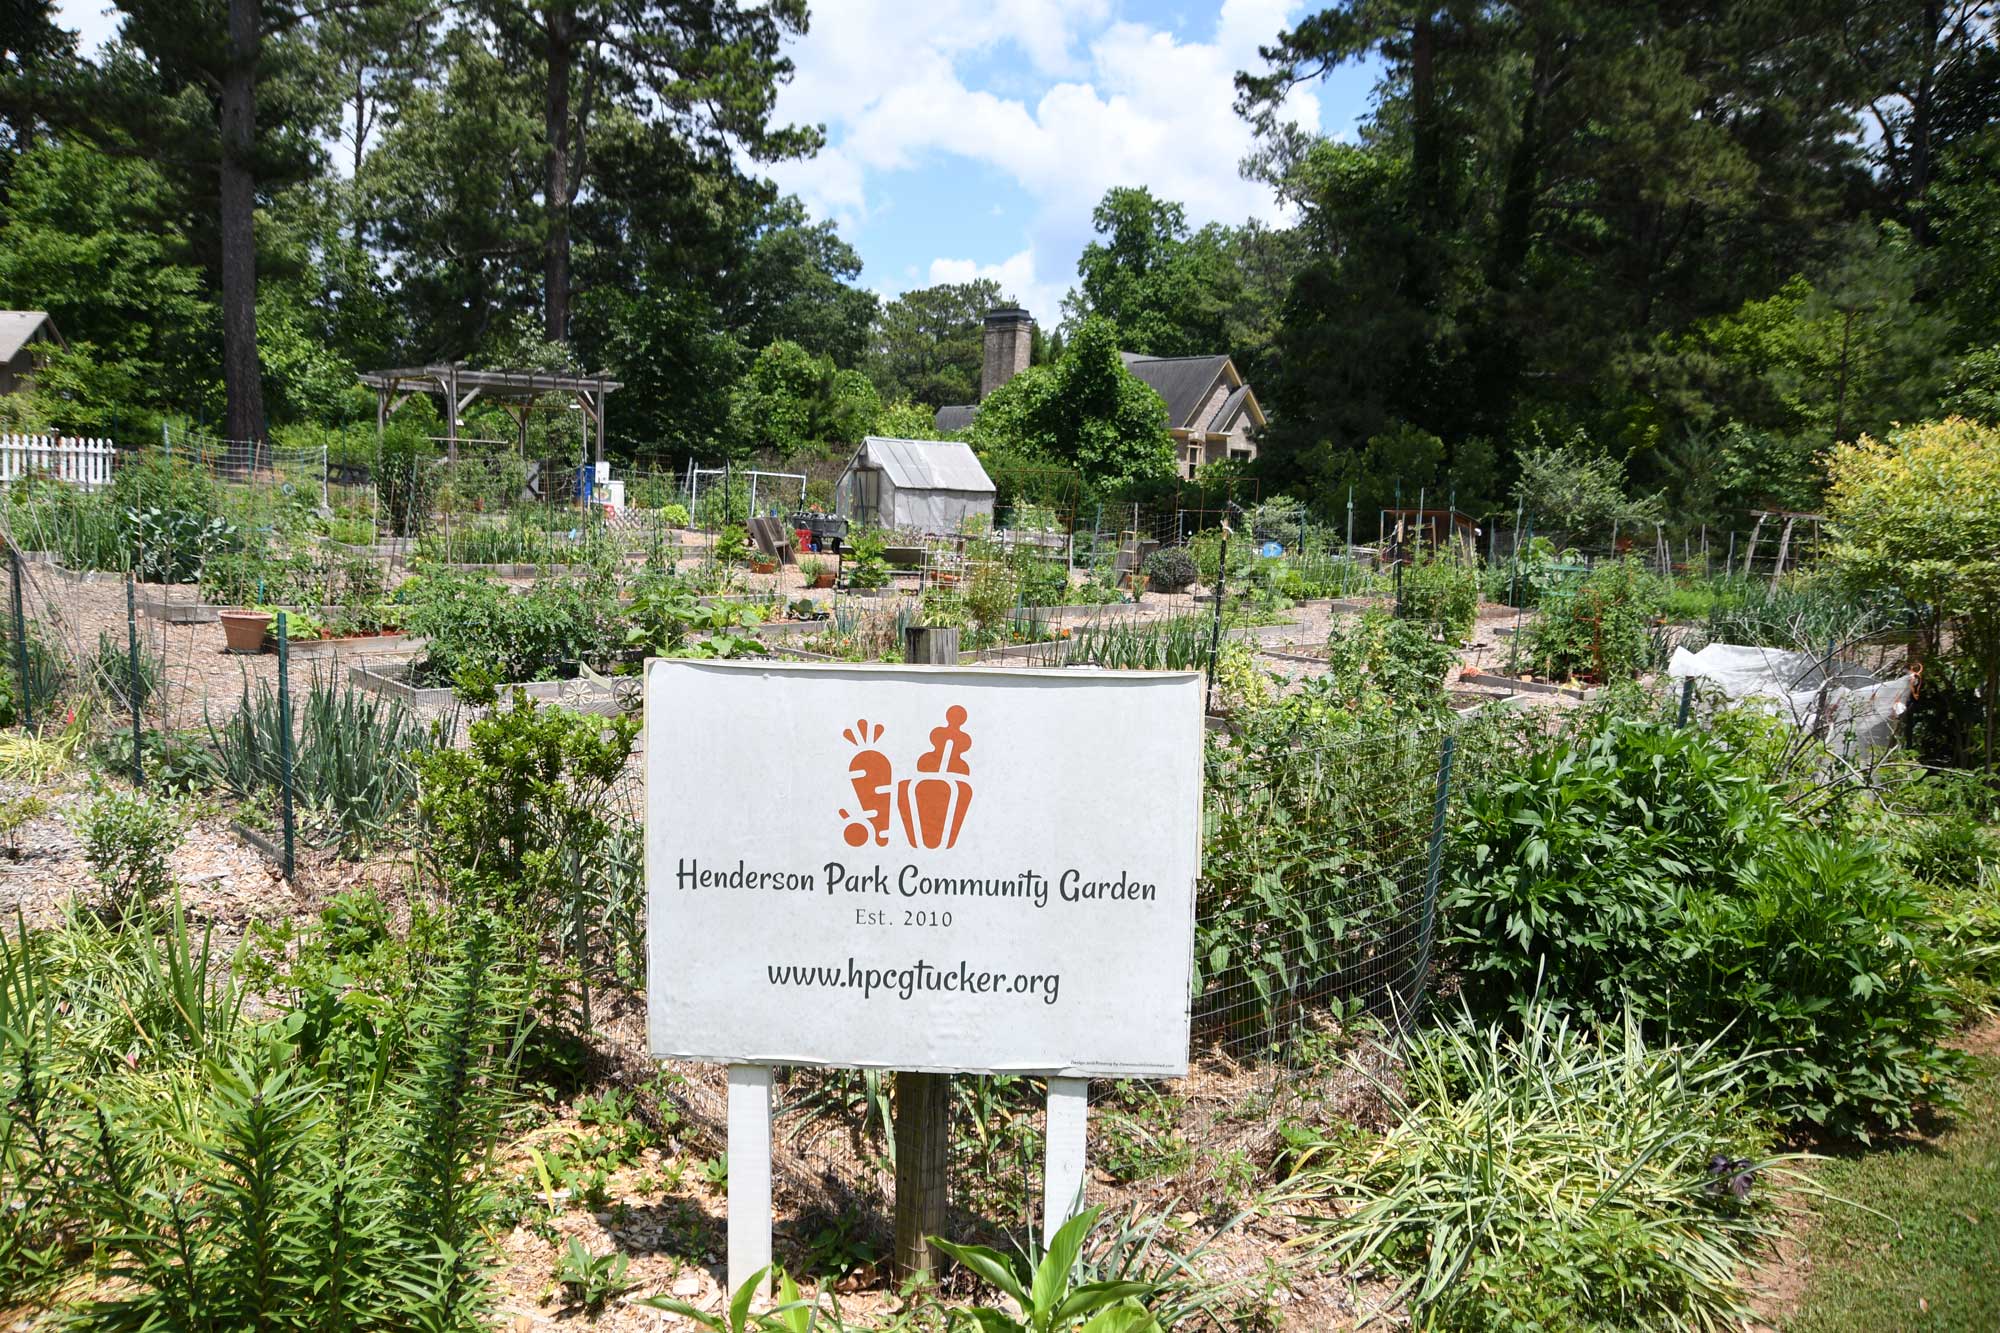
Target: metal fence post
(1429, 931)
(1687, 699)
(21, 641)
(285, 743)
(1221, 582)
(132, 680)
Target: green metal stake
(285, 742)
(132, 680)
(21, 642)
(1687, 699)
(1215, 634)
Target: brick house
(1211, 413)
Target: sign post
(923, 869)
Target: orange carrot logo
(932, 804)
(870, 773)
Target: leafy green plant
(589, 1280)
(127, 841)
(1558, 1176)
(1043, 1286)
(1440, 593)
(1821, 956)
(674, 515)
(1378, 664)
(1601, 630)
(1171, 569)
(474, 626)
(1641, 866)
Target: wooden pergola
(514, 391)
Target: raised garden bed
(394, 641)
(393, 679)
(1527, 685)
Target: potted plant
(243, 631)
(763, 564)
(817, 572)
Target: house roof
(18, 328)
(925, 465)
(1184, 381)
(951, 420)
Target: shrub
(1641, 866)
(1441, 594)
(1602, 630)
(1920, 516)
(127, 840)
(674, 515)
(1561, 1177)
(1818, 955)
(1171, 569)
(528, 792)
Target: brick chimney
(1008, 332)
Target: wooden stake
(923, 1139)
(749, 1173)
(1063, 1165)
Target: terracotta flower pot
(763, 567)
(243, 631)
(823, 581)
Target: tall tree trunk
(241, 374)
(1921, 111)
(556, 181)
(1426, 141)
(1517, 200)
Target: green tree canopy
(1919, 514)
(1084, 410)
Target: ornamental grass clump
(1556, 1175)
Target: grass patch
(1931, 1260)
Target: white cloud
(1018, 276)
(1105, 102)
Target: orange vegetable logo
(932, 805)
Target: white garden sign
(919, 868)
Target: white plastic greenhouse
(929, 486)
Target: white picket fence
(82, 462)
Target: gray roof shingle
(952, 420)
(1184, 381)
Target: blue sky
(971, 139)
